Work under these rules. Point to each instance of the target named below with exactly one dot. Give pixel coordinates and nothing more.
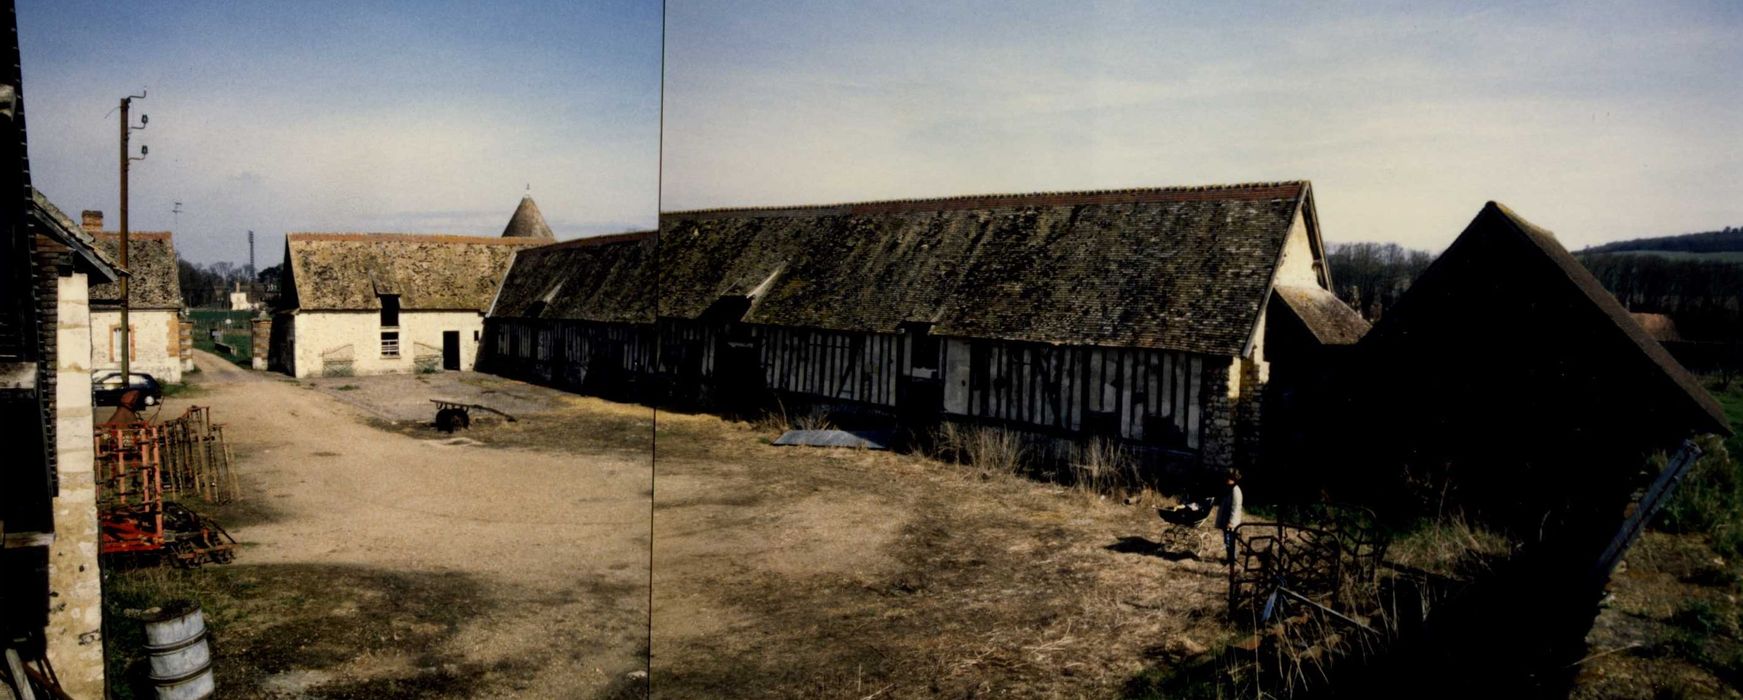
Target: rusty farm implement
(139, 464)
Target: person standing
(1228, 515)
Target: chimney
(93, 220)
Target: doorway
(451, 350)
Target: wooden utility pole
(126, 348)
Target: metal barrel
(181, 661)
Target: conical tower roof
(528, 222)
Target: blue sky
(348, 116)
(1600, 121)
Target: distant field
(236, 333)
(1730, 256)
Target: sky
(1598, 121)
(422, 117)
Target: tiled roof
(1331, 321)
(61, 227)
(1179, 268)
(153, 278)
(604, 279)
(348, 271)
(527, 222)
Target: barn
(1510, 374)
(355, 303)
(381, 303)
(1133, 315)
(578, 315)
(154, 306)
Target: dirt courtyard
(384, 559)
(843, 573)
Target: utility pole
(253, 272)
(127, 128)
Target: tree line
(209, 286)
(1705, 297)
(1728, 239)
(1371, 276)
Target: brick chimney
(93, 220)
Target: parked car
(106, 387)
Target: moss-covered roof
(1331, 321)
(605, 279)
(1177, 268)
(60, 227)
(153, 279)
(349, 271)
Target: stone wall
(75, 622)
(260, 336)
(1249, 414)
(185, 341)
(156, 342)
(1218, 446)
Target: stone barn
(154, 309)
(358, 303)
(73, 263)
(578, 315)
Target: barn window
(389, 312)
(390, 343)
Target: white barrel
(181, 661)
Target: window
(115, 342)
(389, 313)
(390, 343)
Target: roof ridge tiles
(589, 241)
(407, 237)
(1257, 190)
(133, 234)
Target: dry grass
(1449, 547)
(363, 632)
(986, 583)
(990, 451)
(815, 419)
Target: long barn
(577, 314)
(1138, 315)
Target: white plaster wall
(327, 333)
(156, 342)
(75, 618)
(1296, 268)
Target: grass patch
(1710, 499)
(1450, 547)
(269, 620)
(237, 334)
(345, 387)
(182, 390)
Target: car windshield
(114, 379)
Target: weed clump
(1710, 500)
